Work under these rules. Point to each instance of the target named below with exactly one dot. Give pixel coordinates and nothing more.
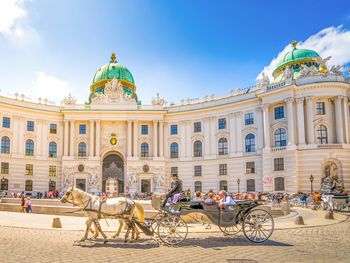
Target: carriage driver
(175, 191)
(225, 199)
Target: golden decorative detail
(113, 141)
(102, 83)
(278, 70)
(294, 44)
(113, 58)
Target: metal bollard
(299, 220)
(56, 223)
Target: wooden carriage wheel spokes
(258, 225)
(172, 230)
(231, 230)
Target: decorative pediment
(279, 124)
(320, 121)
(249, 130)
(113, 94)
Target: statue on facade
(331, 184)
(132, 179)
(323, 65)
(264, 81)
(158, 179)
(158, 101)
(69, 100)
(304, 70)
(93, 180)
(336, 70)
(67, 181)
(313, 70)
(288, 73)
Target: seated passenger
(197, 197)
(175, 192)
(225, 199)
(210, 200)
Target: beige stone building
(271, 137)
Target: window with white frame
(223, 169)
(250, 167)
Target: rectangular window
(249, 118)
(222, 123)
(144, 129)
(82, 129)
(223, 169)
(6, 122)
(52, 170)
(5, 168)
(30, 126)
(53, 128)
(174, 171)
(250, 167)
(197, 126)
(29, 169)
(29, 185)
(279, 112)
(320, 108)
(173, 129)
(197, 170)
(278, 164)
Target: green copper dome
(296, 57)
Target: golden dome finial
(113, 58)
(294, 44)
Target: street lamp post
(238, 181)
(311, 178)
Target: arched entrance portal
(113, 174)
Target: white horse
(95, 208)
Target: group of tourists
(26, 204)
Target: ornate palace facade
(271, 137)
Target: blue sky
(182, 48)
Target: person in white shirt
(225, 199)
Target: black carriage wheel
(231, 230)
(258, 225)
(172, 230)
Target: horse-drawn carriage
(167, 226)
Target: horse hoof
(125, 241)
(105, 242)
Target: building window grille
(5, 145)
(6, 122)
(278, 164)
(197, 170)
(174, 171)
(223, 146)
(174, 150)
(4, 184)
(249, 118)
(280, 137)
(52, 170)
(279, 112)
(320, 108)
(29, 148)
(198, 186)
(52, 150)
(144, 150)
(82, 129)
(197, 127)
(222, 123)
(279, 184)
(29, 185)
(53, 128)
(173, 129)
(250, 167)
(322, 136)
(144, 129)
(223, 185)
(250, 185)
(223, 169)
(250, 143)
(82, 149)
(5, 168)
(30, 126)
(52, 186)
(197, 149)
(29, 169)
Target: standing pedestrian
(28, 205)
(22, 204)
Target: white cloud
(331, 41)
(50, 87)
(14, 25)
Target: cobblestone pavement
(314, 244)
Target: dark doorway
(81, 184)
(145, 185)
(113, 167)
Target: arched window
(174, 150)
(29, 185)
(144, 150)
(53, 150)
(250, 185)
(197, 149)
(250, 143)
(29, 147)
(223, 146)
(279, 184)
(82, 149)
(5, 144)
(321, 134)
(280, 137)
(223, 185)
(4, 184)
(198, 186)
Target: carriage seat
(243, 202)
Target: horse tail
(140, 212)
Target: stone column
(301, 121)
(161, 138)
(239, 138)
(188, 139)
(290, 121)
(129, 139)
(66, 137)
(183, 142)
(98, 138)
(339, 119)
(310, 120)
(39, 125)
(346, 122)
(135, 141)
(71, 139)
(21, 142)
(213, 144)
(14, 146)
(45, 145)
(155, 138)
(91, 138)
(233, 133)
(266, 120)
(260, 123)
(206, 127)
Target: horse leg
(121, 223)
(128, 223)
(88, 225)
(96, 230)
(100, 230)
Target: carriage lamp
(238, 181)
(311, 178)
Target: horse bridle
(70, 193)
